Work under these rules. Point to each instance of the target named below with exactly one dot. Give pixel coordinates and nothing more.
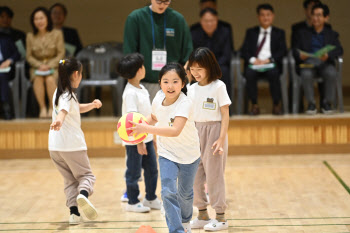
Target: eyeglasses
(166, 2)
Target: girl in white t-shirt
(67, 145)
(211, 113)
(178, 146)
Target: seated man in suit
(17, 36)
(216, 37)
(8, 56)
(311, 40)
(58, 15)
(306, 23)
(212, 4)
(264, 44)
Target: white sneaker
(75, 219)
(124, 197)
(88, 209)
(187, 227)
(215, 225)
(138, 208)
(199, 224)
(155, 204)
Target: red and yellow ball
(123, 124)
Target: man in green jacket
(161, 35)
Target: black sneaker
(327, 109)
(311, 109)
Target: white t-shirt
(137, 100)
(183, 149)
(70, 137)
(207, 100)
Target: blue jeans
(177, 192)
(134, 163)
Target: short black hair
(206, 10)
(265, 6)
(129, 65)
(324, 7)
(307, 2)
(203, 1)
(7, 10)
(63, 7)
(46, 13)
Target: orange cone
(145, 229)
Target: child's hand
(218, 146)
(97, 103)
(141, 148)
(138, 128)
(56, 125)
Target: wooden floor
(279, 194)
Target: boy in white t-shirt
(143, 155)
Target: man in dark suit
(264, 44)
(212, 4)
(6, 16)
(71, 37)
(311, 40)
(306, 23)
(8, 56)
(216, 37)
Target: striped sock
(203, 215)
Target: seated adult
(213, 4)
(8, 56)
(306, 23)
(217, 38)
(45, 48)
(17, 36)
(71, 37)
(310, 40)
(264, 45)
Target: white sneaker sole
(88, 209)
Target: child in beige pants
(67, 144)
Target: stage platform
(261, 135)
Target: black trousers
(273, 77)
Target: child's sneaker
(88, 209)
(155, 204)
(138, 208)
(187, 227)
(162, 211)
(215, 225)
(75, 219)
(124, 197)
(199, 224)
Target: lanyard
(154, 39)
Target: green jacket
(138, 37)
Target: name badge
(158, 59)
(209, 104)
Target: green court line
(129, 228)
(149, 221)
(337, 176)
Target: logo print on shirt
(171, 122)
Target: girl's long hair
(65, 70)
